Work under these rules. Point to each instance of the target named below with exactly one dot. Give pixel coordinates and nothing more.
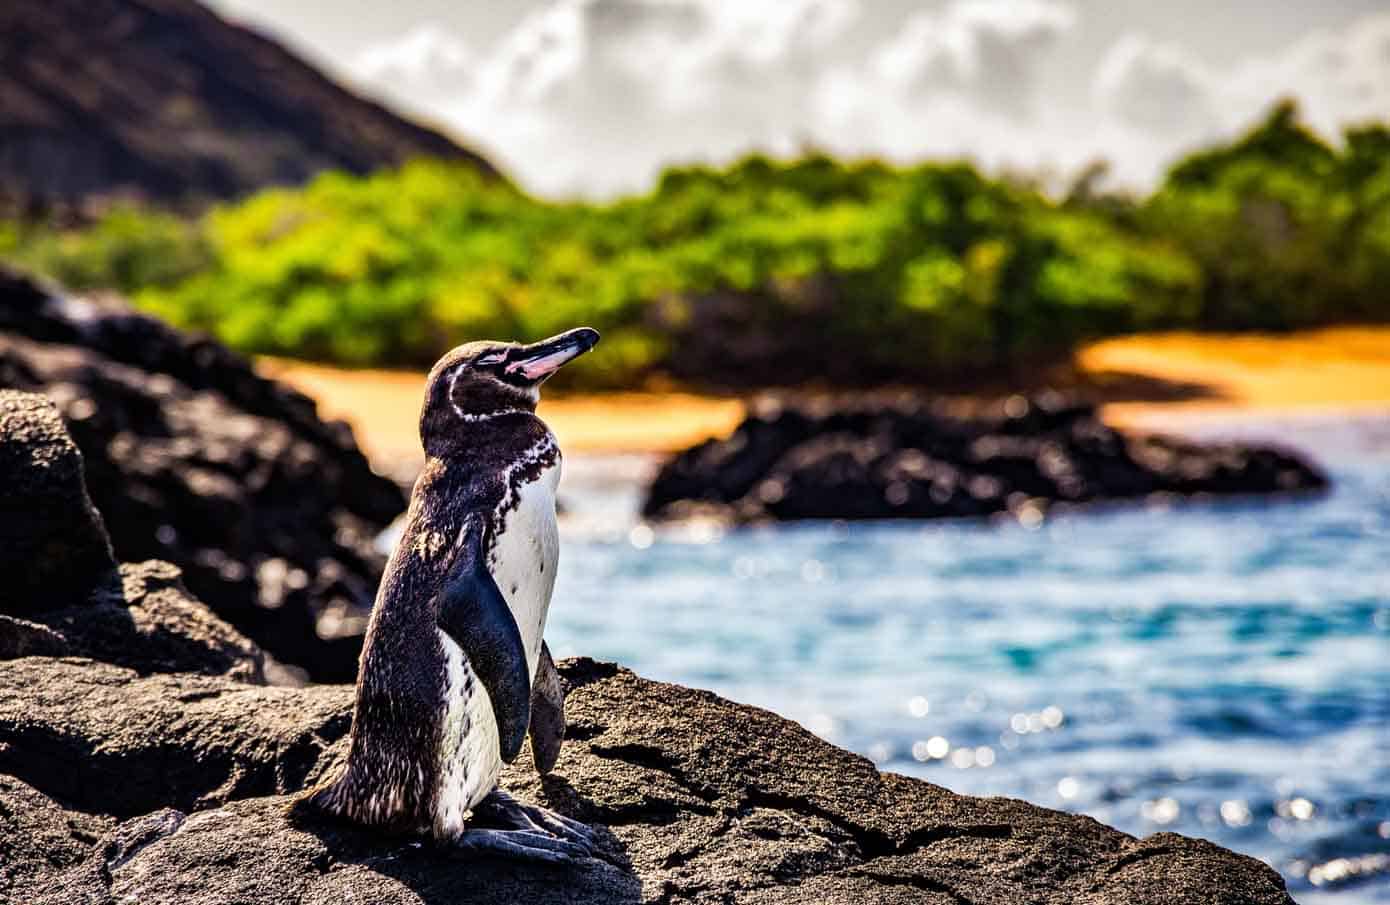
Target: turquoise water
(1217, 669)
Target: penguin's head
(479, 380)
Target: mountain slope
(164, 100)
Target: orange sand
(1345, 368)
(1336, 369)
(383, 408)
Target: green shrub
(764, 270)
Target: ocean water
(1220, 669)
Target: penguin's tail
(317, 803)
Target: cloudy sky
(593, 97)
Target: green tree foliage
(764, 271)
(127, 248)
(1287, 230)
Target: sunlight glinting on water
(1220, 669)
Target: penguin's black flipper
(547, 713)
(473, 612)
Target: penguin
(454, 670)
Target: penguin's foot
(502, 808)
(522, 845)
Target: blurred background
(1012, 238)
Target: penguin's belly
(525, 552)
(469, 751)
(522, 562)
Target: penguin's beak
(539, 360)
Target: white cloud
(595, 96)
(427, 58)
(1160, 101)
(961, 82)
(682, 55)
(1156, 87)
(989, 48)
(1339, 76)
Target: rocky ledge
(66, 596)
(269, 511)
(173, 789)
(143, 760)
(860, 459)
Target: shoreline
(1329, 372)
(1153, 418)
(1147, 382)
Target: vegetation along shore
(764, 272)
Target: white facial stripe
(470, 417)
(453, 379)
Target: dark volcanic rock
(143, 617)
(164, 100)
(65, 595)
(40, 837)
(53, 546)
(193, 458)
(866, 460)
(106, 740)
(23, 638)
(696, 799)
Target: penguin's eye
(492, 359)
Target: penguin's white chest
(470, 751)
(522, 561)
(524, 555)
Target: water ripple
(1217, 669)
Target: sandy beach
(1222, 376)
(1189, 376)
(383, 408)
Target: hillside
(165, 101)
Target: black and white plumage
(454, 669)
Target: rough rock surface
(869, 460)
(52, 541)
(106, 740)
(195, 459)
(40, 837)
(142, 617)
(163, 99)
(65, 596)
(697, 799)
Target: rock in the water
(193, 458)
(695, 799)
(53, 546)
(870, 460)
